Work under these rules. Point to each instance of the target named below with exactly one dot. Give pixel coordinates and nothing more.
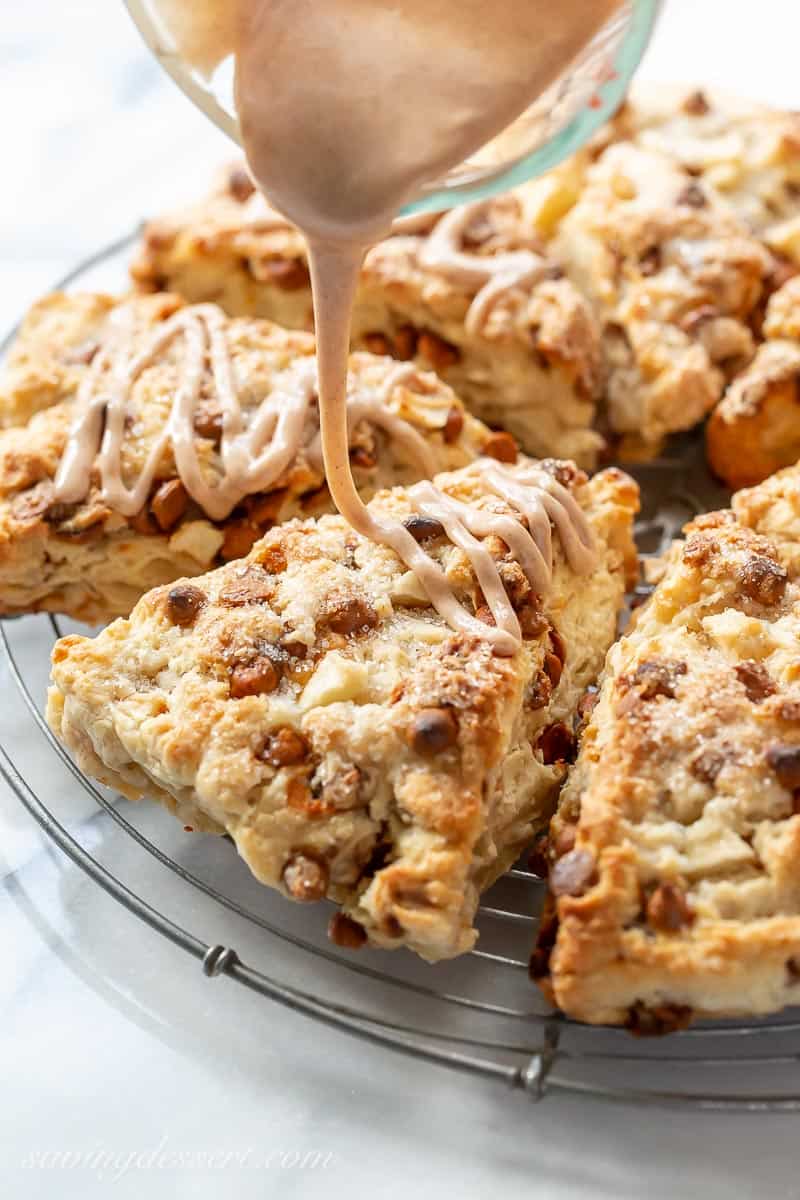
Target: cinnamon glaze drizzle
(254, 453)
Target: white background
(108, 1038)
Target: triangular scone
(91, 562)
(531, 364)
(674, 854)
(311, 703)
(675, 277)
(755, 429)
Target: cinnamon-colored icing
(253, 454)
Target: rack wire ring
(561, 1056)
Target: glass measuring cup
(561, 120)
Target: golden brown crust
(534, 368)
(755, 429)
(93, 564)
(675, 886)
(308, 701)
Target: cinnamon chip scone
(673, 856)
(676, 278)
(89, 560)
(310, 702)
(747, 152)
(755, 429)
(523, 354)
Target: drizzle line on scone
(441, 249)
(254, 456)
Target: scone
(91, 560)
(673, 857)
(310, 702)
(525, 357)
(755, 429)
(675, 277)
(747, 152)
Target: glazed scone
(529, 362)
(755, 429)
(675, 278)
(89, 561)
(673, 856)
(311, 703)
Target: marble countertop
(125, 1072)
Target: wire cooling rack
(478, 1014)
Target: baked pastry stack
(305, 697)
(310, 702)
(675, 277)
(672, 228)
(673, 857)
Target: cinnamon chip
(433, 730)
(707, 765)
(288, 274)
(453, 425)
(785, 762)
(693, 196)
(346, 932)
(168, 504)
(208, 423)
(552, 668)
(762, 579)
(305, 878)
(644, 1021)
(668, 910)
(240, 537)
(285, 748)
(501, 446)
(251, 586)
(353, 614)
(184, 602)
(556, 744)
(572, 874)
(439, 353)
(254, 679)
(405, 343)
(755, 679)
(696, 104)
(421, 527)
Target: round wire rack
(478, 1014)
